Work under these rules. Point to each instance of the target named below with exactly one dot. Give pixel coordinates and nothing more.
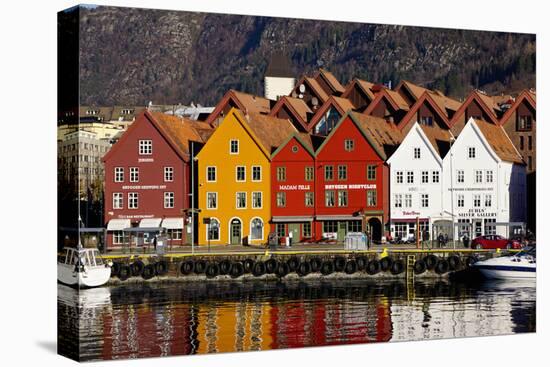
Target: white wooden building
(484, 182)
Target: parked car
(494, 241)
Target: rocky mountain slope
(132, 56)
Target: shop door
(477, 228)
(341, 231)
(235, 232)
(295, 229)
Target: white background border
(28, 181)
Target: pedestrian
(155, 242)
(465, 240)
(440, 240)
(290, 235)
(445, 240)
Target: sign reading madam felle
(477, 213)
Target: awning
(172, 223)
(339, 217)
(118, 224)
(284, 219)
(150, 223)
(408, 220)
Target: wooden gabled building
(310, 91)
(294, 109)
(478, 106)
(329, 82)
(328, 115)
(388, 105)
(245, 102)
(360, 93)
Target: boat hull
(507, 272)
(91, 277)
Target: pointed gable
(242, 101)
(333, 105)
(525, 98)
(499, 141)
(329, 83)
(388, 105)
(310, 91)
(268, 130)
(294, 109)
(360, 93)
(474, 106)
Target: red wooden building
(293, 109)
(293, 187)
(328, 115)
(147, 179)
(352, 179)
(388, 105)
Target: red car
(494, 241)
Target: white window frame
(460, 201)
(425, 177)
(259, 168)
(435, 176)
(168, 174)
(490, 201)
(426, 198)
(118, 198)
(489, 176)
(262, 230)
(398, 200)
(349, 145)
(460, 176)
(477, 198)
(134, 174)
(118, 237)
(215, 174)
(237, 200)
(237, 174)
(408, 201)
(472, 152)
(208, 201)
(254, 193)
(145, 147)
(399, 177)
(280, 199)
(478, 176)
(208, 226)
(410, 174)
(231, 141)
(130, 205)
(415, 151)
(169, 198)
(119, 171)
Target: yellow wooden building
(235, 179)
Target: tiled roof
(366, 86)
(444, 102)
(438, 137)
(253, 103)
(403, 105)
(383, 136)
(344, 103)
(317, 88)
(271, 131)
(499, 141)
(180, 130)
(301, 108)
(489, 101)
(331, 80)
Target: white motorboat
(518, 266)
(82, 267)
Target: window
(525, 123)
(530, 163)
(118, 238)
(211, 174)
(329, 198)
(145, 147)
(488, 200)
(471, 152)
(134, 174)
(233, 146)
(211, 200)
(460, 176)
(241, 200)
(399, 177)
(133, 198)
(329, 173)
(435, 176)
(408, 201)
(410, 177)
(256, 173)
(416, 153)
(168, 200)
(349, 145)
(306, 229)
(477, 201)
(309, 173)
(119, 174)
(398, 200)
(530, 142)
(424, 200)
(342, 198)
(355, 226)
(281, 199)
(521, 146)
(490, 227)
(168, 174)
(309, 199)
(371, 197)
(371, 173)
(256, 229)
(342, 173)
(117, 200)
(489, 176)
(425, 177)
(280, 228)
(257, 200)
(214, 230)
(426, 120)
(478, 176)
(460, 200)
(240, 172)
(281, 173)
(330, 226)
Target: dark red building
(147, 179)
(293, 187)
(352, 178)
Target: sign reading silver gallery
(477, 213)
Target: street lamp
(451, 141)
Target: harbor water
(164, 319)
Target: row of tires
(281, 268)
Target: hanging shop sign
(143, 187)
(294, 187)
(477, 213)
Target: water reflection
(158, 320)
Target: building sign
(145, 160)
(471, 189)
(477, 213)
(350, 187)
(294, 187)
(143, 187)
(135, 216)
(412, 212)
